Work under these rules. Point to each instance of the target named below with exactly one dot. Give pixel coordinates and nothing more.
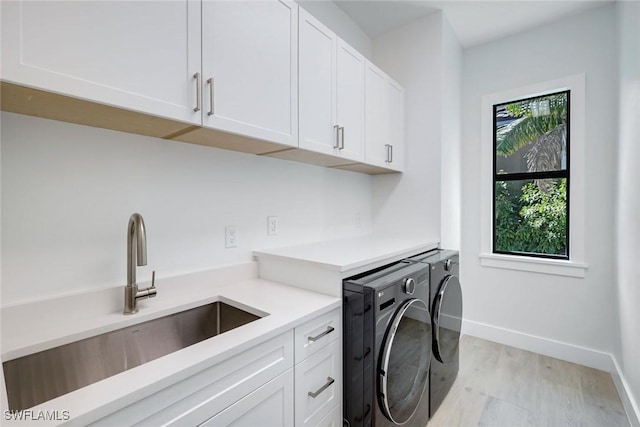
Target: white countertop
(48, 324)
(352, 255)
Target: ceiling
(474, 22)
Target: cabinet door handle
(341, 141)
(389, 148)
(336, 134)
(323, 388)
(198, 95)
(317, 337)
(210, 81)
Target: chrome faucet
(136, 232)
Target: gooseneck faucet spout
(136, 255)
(135, 233)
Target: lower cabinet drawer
(334, 419)
(318, 381)
(269, 406)
(315, 334)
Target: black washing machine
(445, 304)
(387, 347)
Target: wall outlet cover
(272, 225)
(231, 236)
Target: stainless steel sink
(42, 376)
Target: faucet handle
(149, 292)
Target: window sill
(534, 265)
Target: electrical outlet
(231, 236)
(272, 225)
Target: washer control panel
(409, 286)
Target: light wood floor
(498, 385)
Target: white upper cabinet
(256, 76)
(249, 68)
(331, 92)
(136, 55)
(317, 62)
(376, 129)
(384, 120)
(350, 102)
(395, 103)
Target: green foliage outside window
(531, 220)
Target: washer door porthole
(447, 319)
(404, 366)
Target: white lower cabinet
(334, 419)
(196, 399)
(314, 335)
(269, 406)
(292, 379)
(318, 385)
(318, 370)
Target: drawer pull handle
(323, 388)
(317, 337)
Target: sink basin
(42, 376)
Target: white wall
(340, 23)
(570, 316)
(410, 202)
(628, 199)
(451, 185)
(68, 192)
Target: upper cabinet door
(317, 65)
(137, 55)
(384, 120)
(395, 104)
(350, 102)
(376, 119)
(331, 92)
(250, 68)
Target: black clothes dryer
(445, 303)
(387, 347)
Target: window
(531, 141)
(573, 262)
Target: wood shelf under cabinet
(366, 169)
(48, 105)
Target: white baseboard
(630, 405)
(560, 350)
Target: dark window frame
(517, 176)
